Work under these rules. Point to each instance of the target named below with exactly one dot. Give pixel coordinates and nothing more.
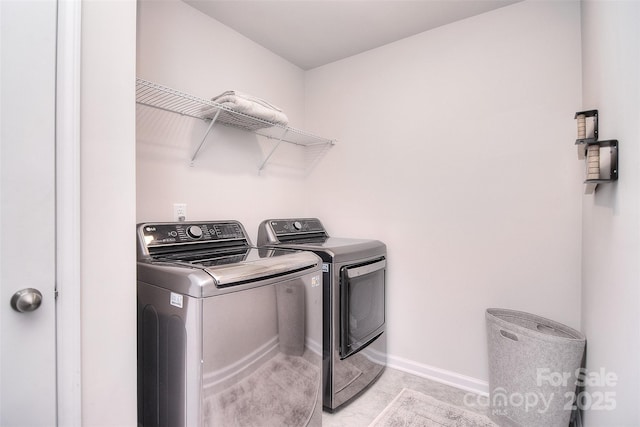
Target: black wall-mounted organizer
(601, 157)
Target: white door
(27, 214)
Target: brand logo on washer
(325, 268)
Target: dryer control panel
(295, 226)
(277, 231)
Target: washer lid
(223, 274)
(258, 264)
(203, 258)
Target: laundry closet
(453, 146)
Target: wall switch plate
(179, 211)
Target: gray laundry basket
(533, 368)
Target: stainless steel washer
(228, 335)
(354, 337)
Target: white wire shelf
(167, 99)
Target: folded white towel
(234, 93)
(251, 106)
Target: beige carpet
(414, 409)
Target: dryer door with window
(362, 313)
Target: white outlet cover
(179, 211)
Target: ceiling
(311, 33)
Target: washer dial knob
(297, 225)
(194, 231)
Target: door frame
(68, 249)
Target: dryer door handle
(366, 269)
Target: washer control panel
(188, 232)
(294, 226)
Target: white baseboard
(443, 376)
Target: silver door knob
(26, 300)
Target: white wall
(108, 214)
(456, 149)
(611, 217)
(182, 48)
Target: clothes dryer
(354, 350)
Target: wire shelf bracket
(273, 150)
(204, 138)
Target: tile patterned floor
(364, 409)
